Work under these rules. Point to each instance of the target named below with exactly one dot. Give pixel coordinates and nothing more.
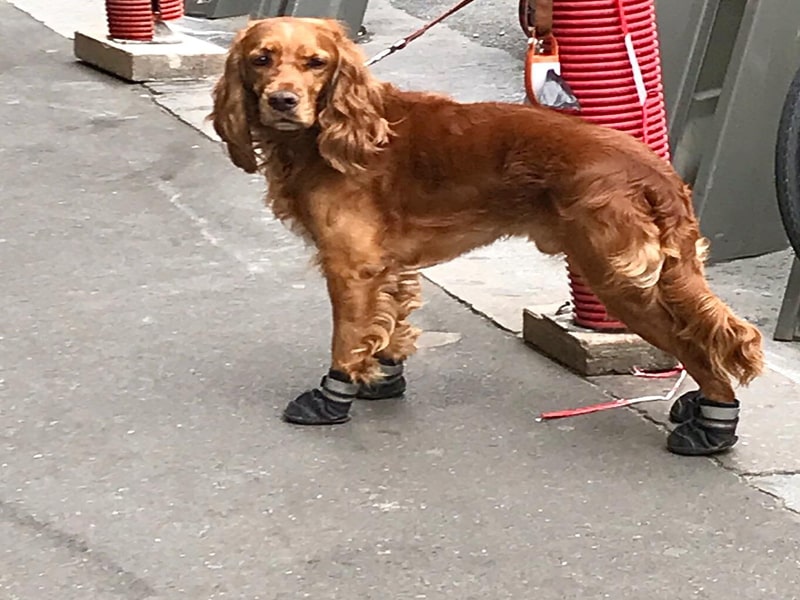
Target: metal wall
(217, 9)
(350, 12)
(727, 65)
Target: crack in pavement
(775, 496)
(123, 582)
(769, 473)
(745, 477)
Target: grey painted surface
(350, 12)
(787, 328)
(734, 189)
(218, 9)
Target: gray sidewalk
(157, 321)
(500, 280)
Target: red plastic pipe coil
(171, 9)
(130, 20)
(596, 63)
(134, 20)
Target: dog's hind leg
(675, 310)
(402, 343)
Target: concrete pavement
(499, 280)
(157, 321)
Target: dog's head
(292, 75)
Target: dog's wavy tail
(733, 346)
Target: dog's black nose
(283, 101)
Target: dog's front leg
(365, 313)
(402, 344)
(364, 319)
(408, 298)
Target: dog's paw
(390, 384)
(705, 427)
(328, 404)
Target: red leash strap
(622, 19)
(594, 408)
(399, 45)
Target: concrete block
(590, 352)
(189, 58)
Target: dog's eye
(262, 60)
(315, 62)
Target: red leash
(419, 32)
(593, 408)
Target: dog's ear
(351, 118)
(233, 108)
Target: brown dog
(383, 182)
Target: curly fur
(351, 121)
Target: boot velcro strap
(391, 370)
(726, 425)
(719, 413)
(341, 391)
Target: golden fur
(384, 182)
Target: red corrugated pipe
(170, 10)
(609, 55)
(130, 20)
(134, 20)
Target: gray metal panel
(787, 328)
(734, 189)
(350, 12)
(217, 9)
(262, 9)
(683, 30)
(707, 70)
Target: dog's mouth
(287, 125)
(282, 121)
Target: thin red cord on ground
(593, 408)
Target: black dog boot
(685, 407)
(705, 427)
(329, 404)
(391, 385)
